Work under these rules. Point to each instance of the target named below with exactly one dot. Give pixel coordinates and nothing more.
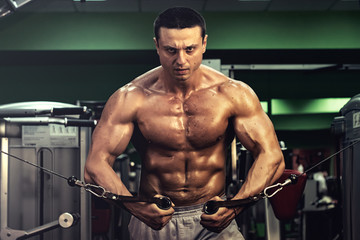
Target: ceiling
(200, 5)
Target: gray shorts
(184, 224)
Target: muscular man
(181, 117)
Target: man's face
(180, 51)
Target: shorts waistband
(191, 209)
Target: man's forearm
(106, 177)
(261, 174)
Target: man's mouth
(181, 71)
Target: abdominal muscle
(186, 177)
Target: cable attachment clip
(96, 190)
(291, 180)
(73, 181)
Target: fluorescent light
(9, 6)
(5, 8)
(264, 105)
(18, 3)
(307, 106)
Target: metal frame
(227, 68)
(4, 183)
(85, 199)
(66, 220)
(271, 222)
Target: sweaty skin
(182, 142)
(181, 118)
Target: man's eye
(171, 50)
(190, 49)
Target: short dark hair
(179, 18)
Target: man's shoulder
(140, 85)
(237, 92)
(222, 81)
(231, 86)
(148, 79)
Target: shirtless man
(181, 117)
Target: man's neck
(182, 88)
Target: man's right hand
(150, 213)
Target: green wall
(64, 83)
(86, 56)
(124, 31)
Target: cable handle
(162, 202)
(212, 206)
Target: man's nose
(181, 58)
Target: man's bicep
(255, 131)
(251, 123)
(110, 140)
(113, 133)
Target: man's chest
(197, 122)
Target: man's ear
(204, 43)
(156, 45)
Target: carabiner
(96, 190)
(280, 185)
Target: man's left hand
(218, 221)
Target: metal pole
(85, 200)
(4, 182)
